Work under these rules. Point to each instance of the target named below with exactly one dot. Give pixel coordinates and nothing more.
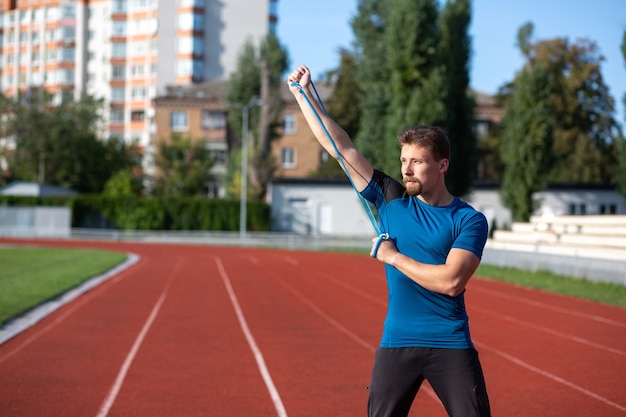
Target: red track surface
(206, 331)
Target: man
(434, 247)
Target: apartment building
(199, 113)
(125, 51)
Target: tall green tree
(273, 63)
(580, 107)
(341, 106)
(369, 26)
(258, 77)
(183, 167)
(526, 141)
(455, 52)
(417, 79)
(413, 61)
(621, 167)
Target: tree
(273, 61)
(123, 184)
(526, 142)
(416, 82)
(183, 167)
(455, 53)
(58, 143)
(341, 107)
(621, 167)
(413, 69)
(257, 76)
(579, 106)
(372, 75)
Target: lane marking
(425, 388)
(291, 260)
(121, 376)
(258, 356)
(358, 291)
(549, 331)
(88, 290)
(567, 311)
(551, 376)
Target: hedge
(153, 213)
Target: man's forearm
(338, 135)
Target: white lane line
(358, 291)
(549, 331)
(567, 311)
(426, 388)
(121, 376)
(291, 260)
(258, 356)
(84, 291)
(551, 376)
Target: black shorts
(455, 375)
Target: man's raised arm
(356, 165)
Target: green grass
(606, 293)
(30, 276)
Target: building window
(137, 71)
(191, 3)
(119, 6)
(178, 121)
(190, 45)
(577, 209)
(117, 116)
(69, 33)
(118, 94)
(137, 115)
(287, 158)
(118, 50)
(67, 76)
(67, 54)
(138, 93)
(212, 119)
(289, 124)
(608, 209)
(190, 21)
(118, 28)
(482, 128)
(118, 72)
(184, 68)
(324, 156)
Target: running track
(208, 331)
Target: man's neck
(440, 199)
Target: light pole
(245, 111)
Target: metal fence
(595, 264)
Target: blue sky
(313, 32)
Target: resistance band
(366, 206)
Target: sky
(314, 31)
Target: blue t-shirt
(417, 316)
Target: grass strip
(602, 292)
(30, 276)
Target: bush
(153, 213)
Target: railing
(249, 239)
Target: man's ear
(443, 165)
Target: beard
(413, 186)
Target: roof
(33, 189)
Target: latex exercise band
(381, 235)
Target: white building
(125, 51)
(323, 207)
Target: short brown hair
(431, 137)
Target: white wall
(303, 206)
(318, 209)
